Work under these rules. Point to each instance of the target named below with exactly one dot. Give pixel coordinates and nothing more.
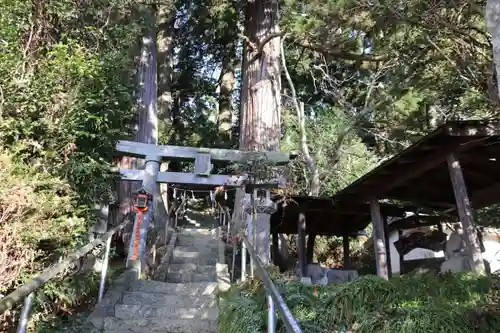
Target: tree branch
(342, 54)
(299, 108)
(257, 47)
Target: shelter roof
(420, 175)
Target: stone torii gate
(151, 176)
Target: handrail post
(27, 290)
(25, 314)
(104, 270)
(288, 319)
(271, 315)
(101, 227)
(243, 261)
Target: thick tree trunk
(147, 120)
(165, 41)
(261, 99)
(225, 96)
(493, 25)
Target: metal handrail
(273, 295)
(27, 291)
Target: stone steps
(160, 325)
(202, 247)
(199, 258)
(181, 289)
(192, 277)
(185, 303)
(125, 311)
(191, 268)
(163, 300)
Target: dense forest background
(360, 81)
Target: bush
(35, 209)
(416, 304)
(36, 222)
(67, 83)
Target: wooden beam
(400, 254)
(420, 203)
(311, 240)
(275, 249)
(178, 153)
(387, 247)
(184, 178)
(465, 213)
(379, 239)
(347, 254)
(411, 222)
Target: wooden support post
(401, 255)
(301, 243)
(387, 247)
(347, 254)
(465, 213)
(275, 248)
(379, 239)
(310, 247)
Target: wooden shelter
(321, 216)
(449, 171)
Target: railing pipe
(25, 313)
(274, 297)
(243, 261)
(271, 315)
(104, 270)
(288, 319)
(18, 295)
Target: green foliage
(37, 227)
(67, 87)
(488, 216)
(35, 208)
(425, 63)
(67, 94)
(53, 307)
(386, 72)
(338, 165)
(445, 303)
